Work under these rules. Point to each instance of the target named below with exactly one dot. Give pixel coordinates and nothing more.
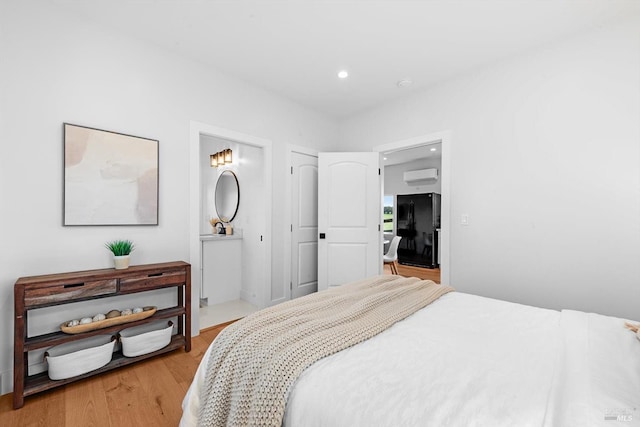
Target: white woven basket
(79, 357)
(145, 339)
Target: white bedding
(470, 361)
(599, 380)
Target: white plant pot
(122, 261)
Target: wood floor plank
(48, 409)
(86, 404)
(182, 368)
(411, 271)
(127, 399)
(54, 409)
(164, 393)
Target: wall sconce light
(221, 158)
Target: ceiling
(429, 151)
(295, 48)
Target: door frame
(291, 148)
(445, 138)
(195, 248)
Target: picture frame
(110, 178)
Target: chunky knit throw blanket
(255, 361)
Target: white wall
(59, 68)
(545, 160)
(395, 184)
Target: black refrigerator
(418, 223)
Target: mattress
(466, 360)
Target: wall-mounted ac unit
(424, 175)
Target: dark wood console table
(57, 289)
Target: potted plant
(121, 250)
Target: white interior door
(349, 218)
(304, 224)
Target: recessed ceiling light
(433, 149)
(404, 82)
(384, 158)
(343, 74)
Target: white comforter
(471, 361)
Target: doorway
(443, 138)
(431, 248)
(256, 238)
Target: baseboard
(277, 301)
(6, 377)
(252, 299)
(6, 382)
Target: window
(387, 214)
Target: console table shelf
(55, 338)
(41, 382)
(58, 289)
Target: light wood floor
(147, 393)
(422, 273)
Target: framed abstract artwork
(109, 178)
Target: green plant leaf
(120, 247)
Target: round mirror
(227, 196)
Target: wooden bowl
(78, 329)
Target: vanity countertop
(237, 235)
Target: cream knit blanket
(255, 361)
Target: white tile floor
(220, 313)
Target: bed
(465, 360)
